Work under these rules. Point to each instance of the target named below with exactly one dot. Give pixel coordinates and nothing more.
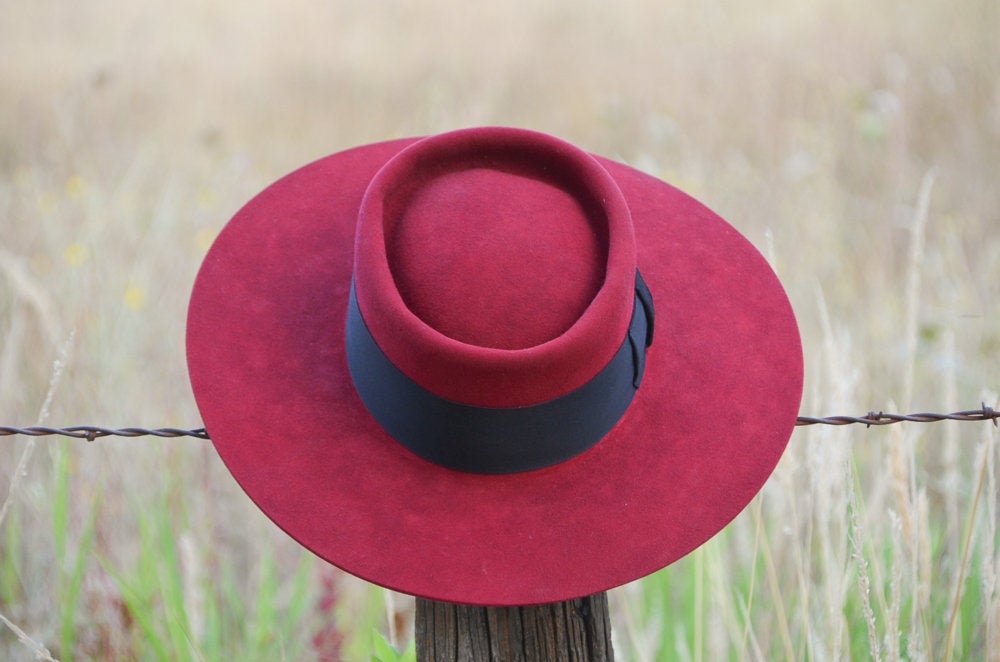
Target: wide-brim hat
(488, 367)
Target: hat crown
(494, 257)
(496, 266)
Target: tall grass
(855, 142)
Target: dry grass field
(856, 143)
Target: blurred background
(856, 144)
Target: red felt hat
(436, 364)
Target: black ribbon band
(496, 440)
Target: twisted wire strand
(92, 432)
(984, 413)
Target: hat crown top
(473, 254)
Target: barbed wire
(92, 432)
(984, 413)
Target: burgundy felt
(267, 365)
(495, 267)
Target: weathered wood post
(575, 630)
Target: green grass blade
(171, 582)
(139, 604)
(11, 589)
(262, 632)
(299, 601)
(69, 601)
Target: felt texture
(495, 267)
(266, 359)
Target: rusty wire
(984, 413)
(90, 432)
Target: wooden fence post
(575, 630)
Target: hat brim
(718, 402)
